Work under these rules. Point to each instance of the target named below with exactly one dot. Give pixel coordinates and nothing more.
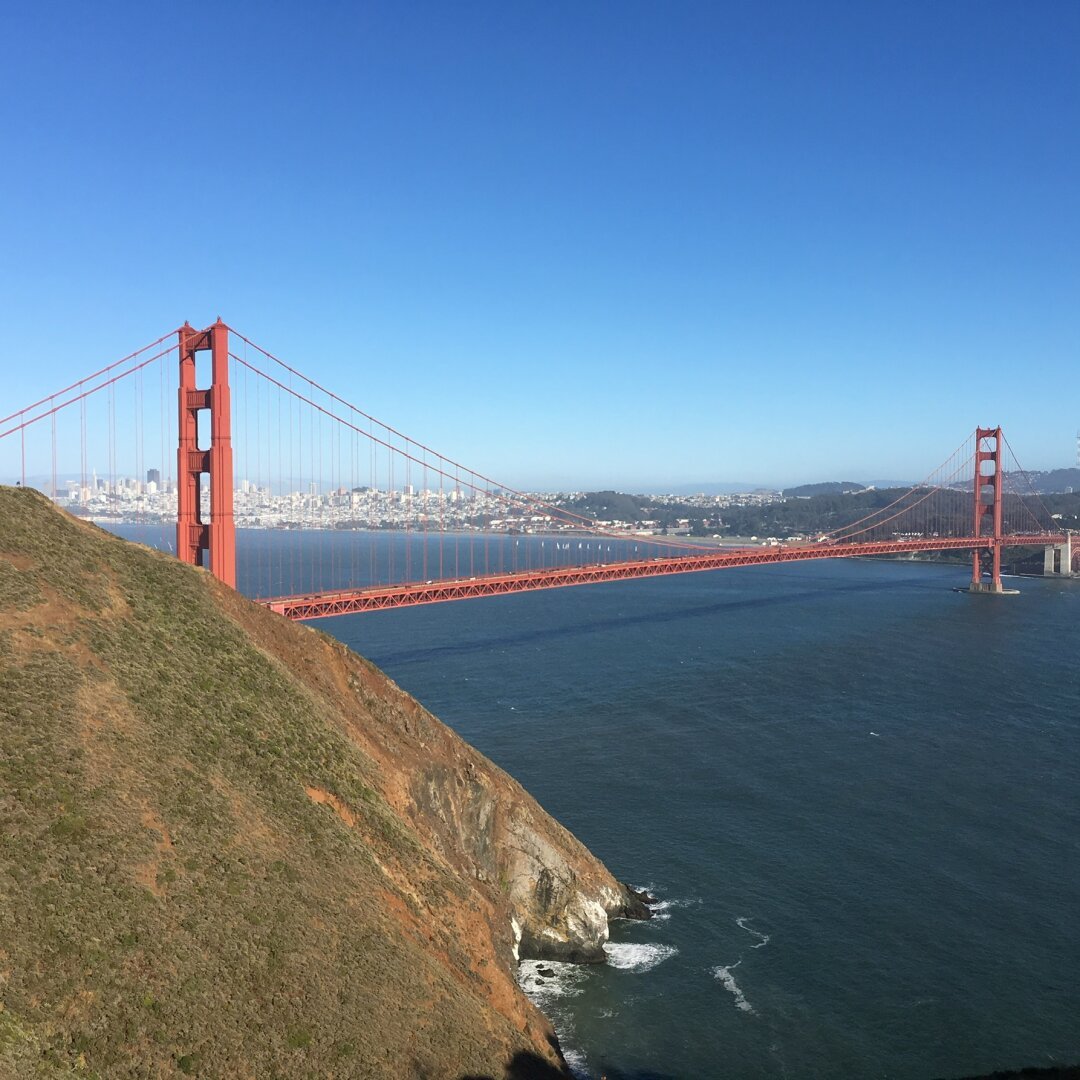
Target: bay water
(855, 791)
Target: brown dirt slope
(231, 848)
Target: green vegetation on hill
(197, 873)
(831, 487)
(806, 511)
(616, 506)
(1065, 508)
(611, 506)
(825, 513)
(1056, 480)
(806, 516)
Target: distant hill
(831, 487)
(230, 847)
(1055, 481)
(732, 487)
(610, 505)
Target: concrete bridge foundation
(1057, 559)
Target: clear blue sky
(617, 244)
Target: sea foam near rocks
(662, 909)
(545, 981)
(637, 957)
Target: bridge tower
(193, 535)
(987, 520)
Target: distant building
(153, 476)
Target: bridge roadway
(378, 598)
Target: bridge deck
(321, 605)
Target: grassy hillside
(200, 871)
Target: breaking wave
(545, 981)
(632, 956)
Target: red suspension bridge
(314, 507)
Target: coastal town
(129, 500)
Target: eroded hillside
(231, 847)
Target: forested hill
(826, 513)
(806, 514)
(1055, 480)
(832, 487)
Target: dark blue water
(857, 791)
(294, 562)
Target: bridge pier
(1057, 559)
(978, 585)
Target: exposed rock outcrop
(233, 847)
(560, 897)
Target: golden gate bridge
(259, 443)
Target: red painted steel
(321, 605)
(987, 492)
(190, 540)
(193, 535)
(217, 535)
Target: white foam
(763, 939)
(542, 990)
(732, 987)
(662, 909)
(632, 956)
(575, 1059)
(545, 991)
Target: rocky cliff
(231, 847)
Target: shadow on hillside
(528, 1066)
(525, 1066)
